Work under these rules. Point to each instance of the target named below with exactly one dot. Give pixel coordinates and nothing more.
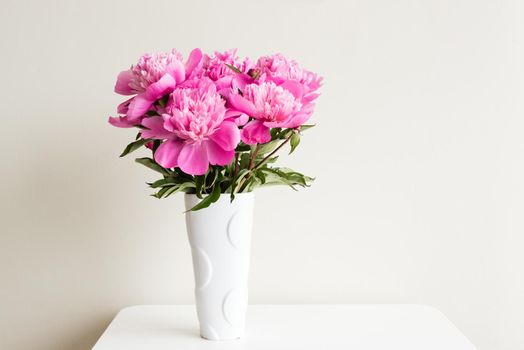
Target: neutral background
(418, 154)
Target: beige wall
(418, 156)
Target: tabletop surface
(304, 327)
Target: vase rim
(242, 194)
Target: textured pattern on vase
(232, 314)
(234, 230)
(204, 266)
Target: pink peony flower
(276, 93)
(194, 130)
(210, 106)
(271, 106)
(153, 77)
(215, 67)
(279, 69)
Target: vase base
(209, 333)
(220, 339)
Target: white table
(301, 327)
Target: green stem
(237, 164)
(263, 161)
(254, 156)
(250, 167)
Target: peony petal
(224, 82)
(297, 120)
(164, 85)
(217, 155)
(168, 123)
(225, 93)
(241, 104)
(311, 97)
(193, 159)
(124, 106)
(168, 152)
(206, 84)
(255, 132)
(138, 107)
(242, 119)
(294, 87)
(240, 80)
(237, 117)
(316, 83)
(177, 70)
(194, 59)
(191, 83)
(122, 83)
(232, 113)
(155, 129)
(227, 135)
(121, 122)
(277, 80)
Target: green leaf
(217, 172)
(296, 177)
(209, 199)
(285, 176)
(178, 188)
(133, 146)
(299, 179)
(252, 183)
(261, 176)
(183, 175)
(268, 147)
(199, 185)
(160, 193)
(151, 164)
(233, 68)
(244, 160)
(237, 181)
(242, 147)
(295, 140)
(274, 133)
(305, 127)
(164, 182)
(278, 177)
(284, 134)
(270, 160)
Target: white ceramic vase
(220, 239)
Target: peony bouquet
(214, 123)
